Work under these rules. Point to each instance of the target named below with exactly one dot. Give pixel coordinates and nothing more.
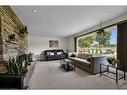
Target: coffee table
(67, 64)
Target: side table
(117, 68)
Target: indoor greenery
(112, 60)
(30, 57)
(15, 67)
(23, 32)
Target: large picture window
(100, 42)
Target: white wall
(113, 21)
(38, 44)
(70, 44)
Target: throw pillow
(51, 53)
(73, 55)
(59, 53)
(89, 59)
(109, 60)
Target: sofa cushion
(81, 61)
(84, 56)
(72, 58)
(48, 53)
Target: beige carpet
(29, 73)
(49, 75)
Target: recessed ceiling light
(34, 10)
(105, 13)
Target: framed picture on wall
(53, 43)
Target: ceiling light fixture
(105, 13)
(34, 10)
(101, 30)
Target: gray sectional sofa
(90, 63)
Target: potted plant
(11, 37)
(23, 32)
(14, 78)
(112, 60)
(30, 57)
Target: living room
(63, 45)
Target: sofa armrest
(95, 64)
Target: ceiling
(64, 21)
